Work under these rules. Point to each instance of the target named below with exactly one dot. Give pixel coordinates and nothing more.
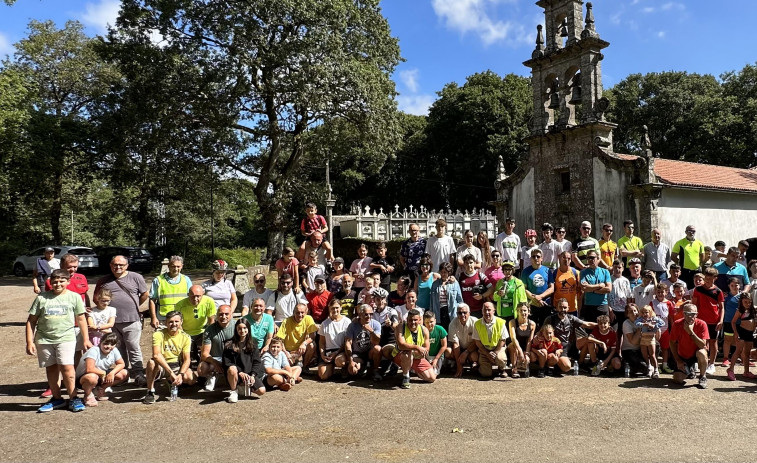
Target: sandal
(91, 401)
(100, 394)
(731, 375)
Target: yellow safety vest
(483, 333)
(169, 294)
(408, 335)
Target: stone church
(572, 174)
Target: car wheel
(19, 270)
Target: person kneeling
(412, 346)
(241, 360)
(170, 346)
(101, 367)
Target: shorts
(362, 357)
(568, 350)
(418, 366)
(590, 312)
(175, 368)
(99, 380)
(56, 354)
(727, 329)
(79, 339)
(665, 340)
(745, 335)
(689, 362)
(648, 341)
(713, 330)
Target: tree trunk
(275, 246)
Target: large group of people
(508, 309)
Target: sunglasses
(260, 281)
(196, 313)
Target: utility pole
(330, 202)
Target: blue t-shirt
(595, 276)
(361, 338)
(535, 279)
(731, 306)
(259, 330)
(725, 273)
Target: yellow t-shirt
(607, 250)
(171, 346)
(294, 333)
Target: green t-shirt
(194, 322)
(57, 316)
(262, 328)
(435, 340)
(630, 244)
(690, 251)
(216, 337)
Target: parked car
(140, 259)
(25, 264)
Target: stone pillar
(241, 285)
(646, 198)
(164, 266)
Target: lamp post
(330, 202)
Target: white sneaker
(710, 369)
(233, 397)
(210, 383)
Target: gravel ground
(570, 419)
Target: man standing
(411, 251)
(688, 252)
(550, 248)
(508, 244)
(259, 291)
(440, 247)
(129, 291)
(538, 287)
(688, 339)
(44, 268)
(596, 284)
(168, 289)
(490, 335)
(656, 256)
(213, 340)
(630, 245)
(318, 299)
(730, 267)
(583, 245)
(281, 303)
(198, 311)
(608, 249)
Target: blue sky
(447, 40)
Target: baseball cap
(508, 263)
(320, 277)
(339, 260)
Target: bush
(201, 258)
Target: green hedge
(200, 258)
(347, 249)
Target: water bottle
(174, 393)
(627, 373)
(575, 367)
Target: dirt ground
(570, 419)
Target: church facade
(572, 173)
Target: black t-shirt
(395, 299)
(386, 277)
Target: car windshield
(81, 251)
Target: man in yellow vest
(490, 334)
(168, 289)
(412, 346)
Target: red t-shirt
(317, 303)
(686, 346)
(316, 223)
(610, 338)
(708, 302)
(287, 268)
(77, 283)
(475, 284)
(540, 343)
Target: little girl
(546, 348)
(731, 304)
(101, 318)
(360, 267)
(364, 297)
(289, 264)
(743, 323)
(650, 326)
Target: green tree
(741, 89)
(272, 70)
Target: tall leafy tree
(272, 70)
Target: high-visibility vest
(170, 293)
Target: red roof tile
(707, 176)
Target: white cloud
(409, 79)
(100, 15)
(415, 104)
(615, 18)
(661, 34)
(6, 48)
(647, 9)
(673, 6)
(474, 16)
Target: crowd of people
(508, 309)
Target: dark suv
(140, 259)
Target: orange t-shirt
(566, 285)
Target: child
(365, 294)
(602, 346)
(290, 265)
(708, 260)
(334, 283)
(360, 267)
(50, 335)
(674, 275)
(709, 299)
(731, 304)
(101, 367)
(644, 293)
(546, 349)
(664, 308)
(384, 265)
(753, 278)
(347, 296)
(279, 373)
(650, 326)
(437, 336)
(525, 251)
(679, 291)
(312, 270)
(312, 222)
(743, 323)
(718, 253)
(698, 281)
(102, 317)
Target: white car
(25, 264)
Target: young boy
(312, 270)
(664, 309)
(644, 293)
(679, 293)
(602, 347)
(709, 300)
(279, 373)
(525, 251)
(731, 305)
(50, 335)
(674, 275)
(313, 222)
(384, 265)
(437, 342)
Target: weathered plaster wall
(522, 203)
(611, 200)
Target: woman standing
(219, 288)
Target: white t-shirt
(565, 245)
(509, 247)
(333, 332)
(461, 335)
(463, 251)
(620, 293)
(103, 363)
(252, 294)
(220, 292)
(550, 252)
(101, 317)
(440, 249)
(662, 311)
(643, 295)
(388, 313)
(283, 306)
(525, 254)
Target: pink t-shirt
(287, 268)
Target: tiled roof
(707, 176)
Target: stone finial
(589, 29)
(646, 143)
(396, 208)
(501, 174)
(539, 51)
